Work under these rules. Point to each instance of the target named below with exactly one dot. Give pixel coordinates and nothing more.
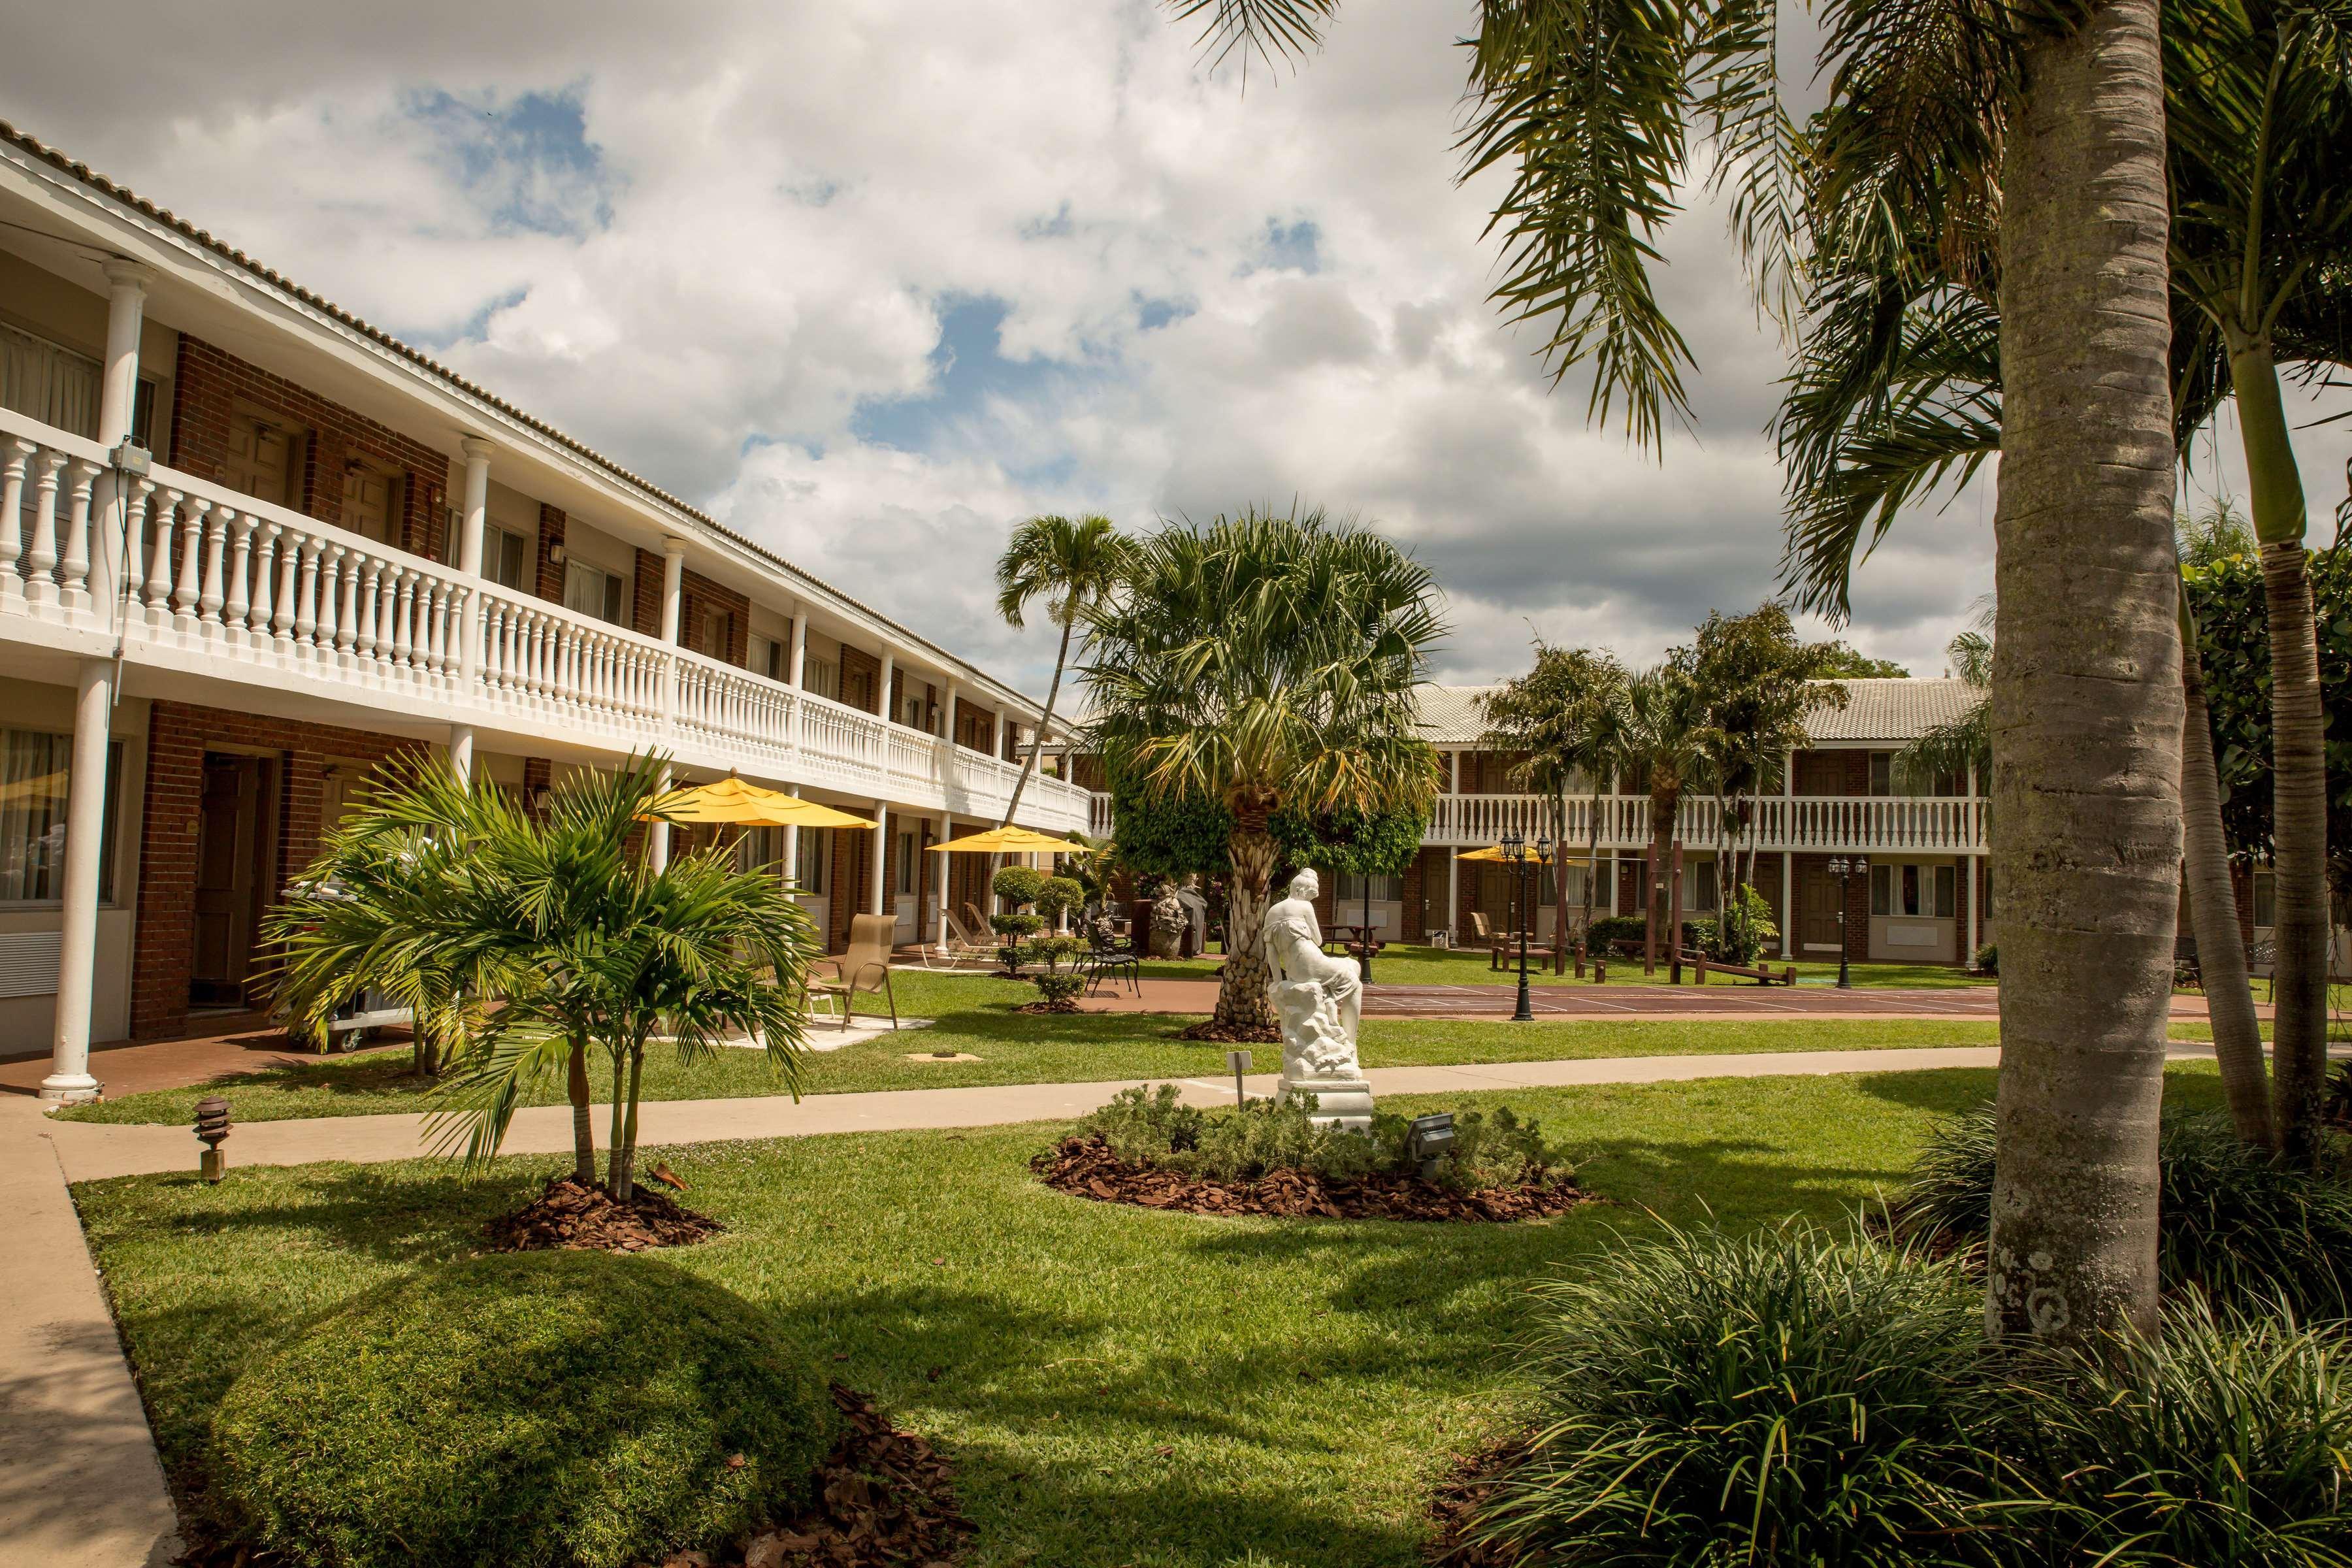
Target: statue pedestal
(1339, 1101)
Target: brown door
(368, 505)
(1817, 906)
(261, 459)
(229, 846)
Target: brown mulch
(1210, 1029)
(1087, 1168)
(570, 1218)
(885, 1499)
(1457, 1501)
(1054, 1009)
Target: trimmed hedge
(535, 1410)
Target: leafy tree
(1561, 720)
(1843, 661)
(1664, 736)
(564, 941)
(2212, 535)
(1757, 685)
(1265, 662)
(2018, 143)
(1072, 563)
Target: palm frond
(1273, 32)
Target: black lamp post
(1845, 871)
(1365, 969)
(1524, 856)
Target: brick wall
(856, 664)
(178, 736)
(209, 384)
(537, 774)
(698, 594)
(645, 603)
(551, 538)
(853, 849)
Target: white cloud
(720, 242)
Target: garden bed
(569, 1217)
(1087, 1168)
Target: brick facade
(861, 678)
(698, 596)
(179, 735)
(211, 383)
(550, 577)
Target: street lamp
(1524, 856)
(1845, 871)
(1365, 972)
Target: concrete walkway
(80, 1483)
(89, 1151)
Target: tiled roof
(1892, 710)
(286, 286)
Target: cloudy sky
(875, 281)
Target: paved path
(80, 1483)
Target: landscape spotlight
(212, 1128)
(1429, 1140)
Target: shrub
(1058, 894)
(2237, 1226)
(1989, 959)
(1155, 1128)
(1780, 1397)
(1744, 932)
(1633, 928)
(1017, 884)
(1059, 991)
(2224, 1441)
(552, 1408)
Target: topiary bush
(2223, 1441)
(572, 1409)
(2237, 1226)
(1017, 884)
(1059, 895)
(1779, 1397)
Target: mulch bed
(885, 1500)
(1210, 1029)
(570, 1218)
(1087, 1168)
(1457, 1501)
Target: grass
(974, 1016)
(1118, 1386)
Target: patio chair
(959, 945)
(1110, 958)
(864, 970)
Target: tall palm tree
(564, 941)
(1902, 389)
(2030, 139)
(1265, 662)
(1662, 733)
(1073, 563)
(1560, 720)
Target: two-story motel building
(334, 549)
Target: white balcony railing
(213, 583)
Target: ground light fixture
(1845, 871)
(1429, 1140)
(1239, 1061)
(1527, 857)
(212, 1130)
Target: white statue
(1319, 1000)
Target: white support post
(800, 646)
(1788, 859)
(69, 1083)
(939, 919)
(876, 891)
(947, 701)
(672, 600)
(461, 751)
(1969, 908)
(793, 844)
(1453, 894)
(470, 555)
(118, 400)
(884, 702)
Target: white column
(996, 735)
(469, 559)
(1453, 891)
(948, 700)
(1787, 903)
(792, 841)
(800, 646)
(1968, 907)
(461, 750)
(70, 1081)
(126, 311)
(673, 602)
(885, 703)
(940, 916)
(875, 888)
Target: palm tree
(1560, 720)
(1661, 733)
(1073, 564)
(1901, 389)
(563, 941)
(2030, 142)
(1265, 663)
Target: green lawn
(1401, 964)
(974, 1016)
(1116, 1386)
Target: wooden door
(368, 508)
(1817, 907)
(261, 459)
(229, 867)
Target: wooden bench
(1761, 974)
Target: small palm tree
(544, 938)
(1759, 686)
(1265, 663)
(1073, 563)
(1662, 735)
(1561, 721)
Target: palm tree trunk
(1591, 864)
(1664, 805)
(2299, 932)
(2214, 907)
(625, 1150)
(2087, 696)
(620, 1101)
(583, 1134)
(1053, 692)
(1245, 1000)
(1559, 887)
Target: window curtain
(33, 788)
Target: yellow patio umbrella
(732, 800)
(1494, 852)
(1009, 841)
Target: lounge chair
(864, 970)
(960, 945)
(1503, 948)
